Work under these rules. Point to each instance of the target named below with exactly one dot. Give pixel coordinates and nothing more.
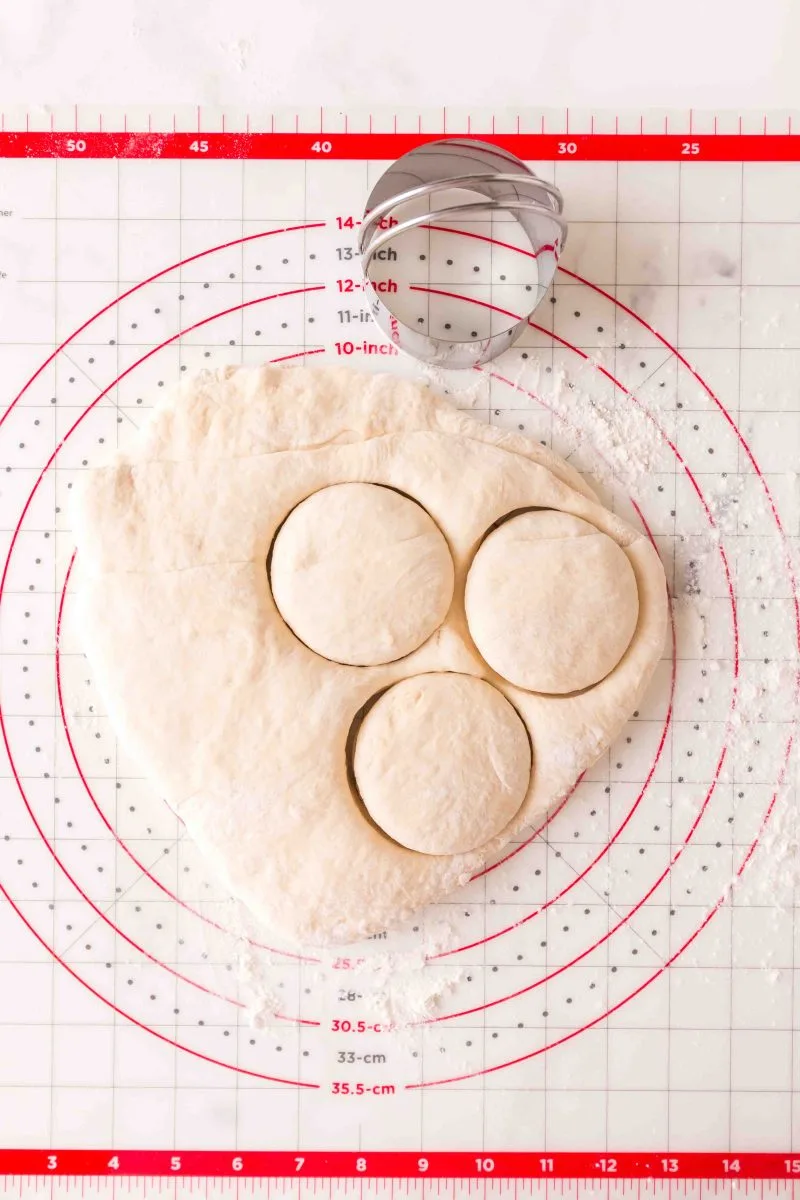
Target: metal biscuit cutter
(433, 173)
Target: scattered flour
(403, 988)
(624, 444)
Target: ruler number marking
(690, 148)
(321, 147)
(272, 1164)
(199, 146)
(567, 148)
(75, 145)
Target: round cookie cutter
(469, 166)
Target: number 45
(199, 147)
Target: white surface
(260, 54)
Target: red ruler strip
(398, 1164)
(593, 146)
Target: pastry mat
(618, 995)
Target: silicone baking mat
(618, 993)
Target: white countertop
(607, 53)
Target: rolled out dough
(243, 727)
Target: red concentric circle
(618, 385)
(630, 398)
(3, 725)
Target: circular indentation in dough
(552, 603)
(442, 762)
(361, 574)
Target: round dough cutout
(361, 574)
(552, 603)
(442, 762)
